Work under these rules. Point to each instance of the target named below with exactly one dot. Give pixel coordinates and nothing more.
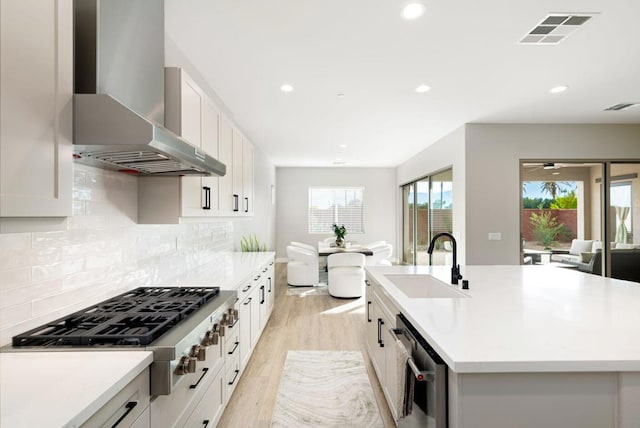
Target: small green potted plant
(340, 232)
(251, 244)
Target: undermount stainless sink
(424, 287)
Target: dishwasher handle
(420, 375)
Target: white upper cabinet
(228, 202)
(247, 176)
(236, 188)
(190, 113)
(36, 106)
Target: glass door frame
(414, 220)
(606, 231)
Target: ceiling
(467, 51)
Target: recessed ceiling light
(286, 88)
(558, 89)
(412, 11)
(423, 88)
(343, 146)
(340, 95)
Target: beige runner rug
(325, 389)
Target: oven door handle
(420, 375)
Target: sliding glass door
(624, 221)
(427, 210)
(408, 224)
(571, 209)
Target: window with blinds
(336, 205)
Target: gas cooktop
(134, 318)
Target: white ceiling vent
(555, 28)
(622, 106)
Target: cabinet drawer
(232, 374)
(172, 410)
(123, 409)
(245, 289)
(233, 342)
(231, 333)
(209, 409)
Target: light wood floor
(297, 323)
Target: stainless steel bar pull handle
(420, 375)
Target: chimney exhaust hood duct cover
(119, 92)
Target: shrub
(546, 228)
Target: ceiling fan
(545, 165)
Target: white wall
(493, 154)
(449, 152)
(292, 196)
(46, 275)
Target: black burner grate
(135, 318)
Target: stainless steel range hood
(119, 92)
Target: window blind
(336, 205)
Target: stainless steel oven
(425, 391)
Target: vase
(340, 241)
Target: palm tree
(555, 187)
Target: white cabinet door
(245, 331)
(255, 315)
(390, 366)
(36, 104)
(227, 201)
(209, 410)
(238, 142)
(247, 177)
(192, 99)
(210, 135)
(271, 292)
(190, 113)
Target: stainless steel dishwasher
(425, 392)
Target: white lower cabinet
(127, 408)
(380, 320)
(208, 412)
(245, 330)
(143, 421)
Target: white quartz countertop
(526, 319)
(57, 389)
(228, 271)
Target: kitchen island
(529, 346)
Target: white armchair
(346, 274)
(381, 255)
(302, 268)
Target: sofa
(586, 255)
(625, 264)
(575, 253)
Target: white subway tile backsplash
(46, 275)
(12, 278)
(43, 273)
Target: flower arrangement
(339, 231)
